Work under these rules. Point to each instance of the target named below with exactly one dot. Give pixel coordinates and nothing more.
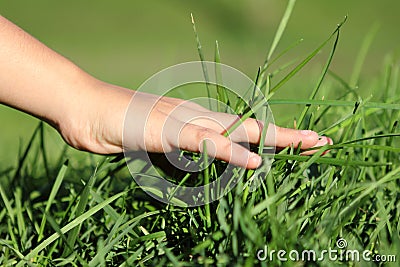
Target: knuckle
(227, 147)
(204, 133)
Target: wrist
(95, 116)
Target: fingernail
(322, 140)
(255, 159)
(330, 141)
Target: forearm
(41, 82)
(34, 78)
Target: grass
(58, 211)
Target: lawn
(63, 207)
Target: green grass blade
(245, 116)
(115, 227)
(280, 30)
(108, 209)
(74, 223)
(83, 200)
(364, 146)
(43, 149)
(102, 253)
(202, 59)
(255, 87)
(290, 47)
(362, 55)
(321, 79)
(22, 159)
(305, 61)
(278, 35)
(7, 203)
(206, 173)
(393, 175)
(222, 96)
(334, 103)
(53, 193)
(378, 136)
(57, 229)
(4, 243)
(331, 161)
(19, 213)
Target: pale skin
(89, 113)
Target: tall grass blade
(22, 230)
(331, 161)
(7, 203)
(206, 173)
(83, 200)
(222, 96)
(362, 55)
(25, 154)
(280, 31)
(391, 176)
(334, 103)
(74, 223)
(277, 38)
(321, 79)
(202, 59)
(57, 229)
(102, 253)
(306, 60)
(53, 193)
(43, 149)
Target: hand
(162, 124)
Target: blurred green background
(125, 42)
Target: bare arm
(41, 82)
(89, 113)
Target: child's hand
(162, 124)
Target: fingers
(287, 137)
(323, 140)
(250, 131)
(192, 138)
(189, 126)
